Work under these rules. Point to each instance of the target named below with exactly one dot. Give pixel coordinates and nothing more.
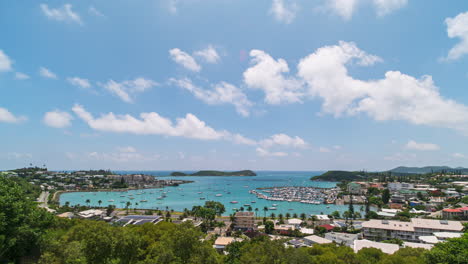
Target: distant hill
(429, 169)
(340, 176)
(216, 173)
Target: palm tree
(67, 204)
(249, 209)
(272, 216)
(265, 209)
(288, 215)
(303, 217)
(256, 210)
(88, 202)
(99, 202)
(128, 205)
(241, 209)
(294, 215)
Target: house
(457, 213)
(295, 222)
(222, 242)
(417, 245)
(66, 215)
(438, 237)
(285, 229)
(342, 238)
(356, 188)
(91, 213)
(313, 239)
(385, 247)
(322, 219)
(244, 221)
(139, 219)
(396, 186)
(328, 227)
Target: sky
(233, 84)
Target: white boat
(274, 205)
(110, 201)
(234, 202)
(219, 195)
(143, 201)
(272, 208)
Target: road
(43, 198)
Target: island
(340, 176)
(216, 173)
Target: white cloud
(283, 140)
(16, 155)
(267, 75)
(57, 119)
(122, 156)
(8, 117)
(209, 54)
(128, 149)
(151, 124)
(457, 27)
(346, 8)
(458, 155)
(239, 139)
(79, 82)
(222, 93)
(396, 97)
(21, 76)
(421, 146)
(5, 62)
(126, 89)
(93, 11)
(283, 12)
(265, 153)
(46, 73)
(184, 59)
(385, 7)
(324, 150)
(172, 6)
(64, 13)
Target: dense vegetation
(341, 176)
(217, 173)
(29, 233)
(429, 169)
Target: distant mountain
(216, 173)
(428, 169)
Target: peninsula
(216, 173)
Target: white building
(396, 186)
(311, 240)
(342, 238)
(379, 230)
(385, 247)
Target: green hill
(341, 176)
(429, 169)
(216, 173)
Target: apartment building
(379, 230)
(244, 221)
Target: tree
(22, 223)
(386, 196)
(269, 227)
(99, 202)
(88, 202)
(256, 211)
(110, 209)
(351, 207)
(335, 214)
(288, 215)
(265, 210)
(216, 206)
(452, 251)
(303, 216)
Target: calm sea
(230, 188)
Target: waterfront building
(379, 230)
(244, 221)
(342, 238)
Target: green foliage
(455, 251)
(464, 199)
(385, 196)
(21, 222)
(269, 227)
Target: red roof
(453, 210)
(328, 227)
(464, 208)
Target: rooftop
(317, 240)
(385, 247)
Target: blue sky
(224, 84)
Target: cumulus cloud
(457, 27)
(21, 76)
(458, 155)
(267, 74)
(93, 11)
(283, 12)
(396, 97)
(5, 62)
(63, 14)
(413, 145)
(385, 7)
(79, 82)
(209, 54)
(125, 90)
(57, 119)
(46, 73)
(184, 59)
(266, 153)
(8, 117)
(283, 140)
(221, 93)
(346, 8)
(150, 124)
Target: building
(91, 213)
(356, 188)
(285, 229)
(396, 186)
(311, 240)
(457, 213)
(244, 221)
(385, 247)
(342, 238)
(222, 242)
(295, 222)
(438, 237)
(379, 230)
(139, 219)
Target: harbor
(302, 194)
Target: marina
(233, 192)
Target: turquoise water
(186, 195)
